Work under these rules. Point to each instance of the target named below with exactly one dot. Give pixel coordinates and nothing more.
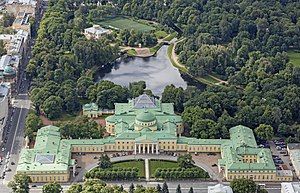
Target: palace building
(145, 125)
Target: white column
(139, 148)
(157, 149)
(148, 149)
(144, 149)
(134, 149)
(152, 148)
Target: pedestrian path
(147, 173)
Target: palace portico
(146, 148)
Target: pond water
(157, 72)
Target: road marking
(13, 142)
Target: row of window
(89, 148)
(254, 177)
(199, 148)
(47, 178)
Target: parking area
(280, 156)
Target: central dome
(145, 116)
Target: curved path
(212, 174)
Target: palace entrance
(146, 148)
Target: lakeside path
(174, 59)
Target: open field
(125, 23)
(140, 164)
(294, 57)
(154, 164)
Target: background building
(4, 104)
(294, 153)
(219, 188)
(95, 32)
(27, 6)
(290, 187)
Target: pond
(157, 72)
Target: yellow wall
(53, 177)
(254, 176)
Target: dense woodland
(241, 41)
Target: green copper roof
(90, 107)
(243, 143)
(8, 70)
(145, 116)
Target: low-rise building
(145, 125)
(95, 32)
(27, 6)
(290, 187)
(93, 111)
(294, 153)
(8, 69)
(22, 22)
(219, 188)
(4, 104)
(49, 160)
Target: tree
(2, 48)
(75, 188)
(104, 162)
(185, 161)
(165, 188)
(32, 124)
(191, 190)
(52, 107)
(52, 188)
(243, 185)
(131, 188)
(264, 132)
(178, 189)
(20, 183)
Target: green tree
(185, 161)
(32, 124)
(52, 188)
(264, 132)
(52, 107)
(243, 185)
(104, 162)
(2, 48)
(20, 183)
(75, 188)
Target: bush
(113, 173)
(180, 173)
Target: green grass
(131, 52)
(210, 79)
(170, 37)
(140, 164)
(160, 34)
(294, 57)
(154, 164)
(67, 117)
(170, 48)
(125, 23)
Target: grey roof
(144, 101)
(45, 159)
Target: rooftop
(287, 187)
(96, 30)
(219, 188)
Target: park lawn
(294, 57)
(67, 117)
(170, 36)
(160, 34)
(125, 23)
(154, 164)
(140, 164)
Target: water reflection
(157, 72)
